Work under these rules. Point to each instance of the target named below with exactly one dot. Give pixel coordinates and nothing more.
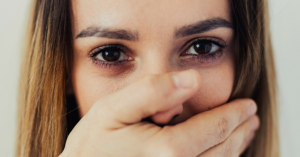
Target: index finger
(146, 97)
(210, 128)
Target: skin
(156, 51)
(113, 127)
(154, 83)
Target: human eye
(110, 55)
(205, 49)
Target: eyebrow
(201, 27)
(197, 28)
(109, 33)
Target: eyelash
(199, 57)
(206, 57)
(104, 64)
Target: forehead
(146, 15)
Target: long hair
(255, 72)
(42, 98)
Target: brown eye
(203, 47)
(111, 55)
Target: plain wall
(285, 27)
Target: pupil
(203, 47)
(111, 55)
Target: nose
(160, 64)
(166, 117)
(157, 65)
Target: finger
(236, 143)
(248, 140)
(210, 128)
(245, 145)
(148, 96)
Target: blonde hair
(42, 97)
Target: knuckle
(223, 128)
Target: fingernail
(254, 124)
(251, 109)
(250, 138)
(185, 79)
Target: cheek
(89, 85)
(89, 90)
(216, 88)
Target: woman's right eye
(110, 54)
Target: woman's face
(117, 42)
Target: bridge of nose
(160, 61)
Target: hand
(238, 140)
(114, 126)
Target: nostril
(149, 120)
(171, 122)
(164, 118)
(174, 118)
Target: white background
(285, 26)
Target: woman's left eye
(202, 48)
